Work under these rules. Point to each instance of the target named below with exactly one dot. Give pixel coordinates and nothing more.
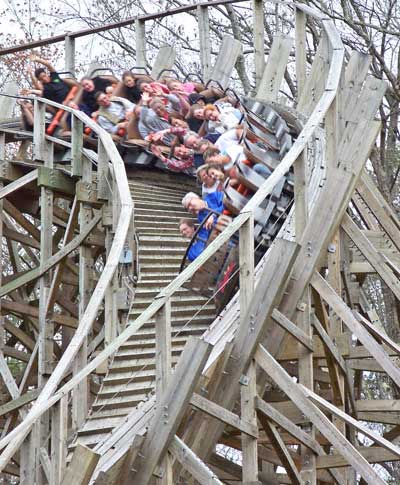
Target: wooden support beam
(258, 35)
(81, 468)
(192, 463)
(59, 435)
(163, 372)
(293, 329)
(19, 402)
(373, 454)
(17, 184)
(266, 295)
(21, 220)
(204, 40)
(380, 208)
(222, 414)
(25, 309)
(20, 335)
(315, 82)
(287, 424)
(342, 310)
(301, 44)
(337, 391)
(300, 195)
(351, 421)
(19, 237)
(171, 408)
(281, 450)
(58, 271)
(248, 392)
(322, 423)
(384, 339)
(372, 256)
(80, 395)
(56, 180)
(45, 463)
(140, 37)
(51, 261)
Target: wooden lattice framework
(279, 373)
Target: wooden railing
(325, 110)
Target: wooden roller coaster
(121, 363)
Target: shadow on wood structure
(107, 382)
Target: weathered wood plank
(171, 408)
(222, 414)
(281, 450)
(204, 40)
(344, 312)
(83, 463)
(315, 83)
(20, 401)
(322, 423)
(353, 422)
(165, 60)
(293, 329)
(225, 62)
(372, 256)
(50, 262)
(275, 67)
(371, 453)
(17, 184)
(192, 463)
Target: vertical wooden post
(301, 60)
(204, 40)
(43, 151)
(306, 377)
(103, 187)
(258, 28)
(248, 389)
(110, 307)
(335, 323)
(76, 146)
(163, 373)
(2, 153)
(300, 194)
(331, 129)
(140, 30)
(80, 395)
(59, 429)
(248, 392)
(246, 264)
(69, 54)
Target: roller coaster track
(126, 374)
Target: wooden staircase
(131, 375)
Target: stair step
(187, 310)
(129, 354)
(160, 267)
(149, 240)
(176, 300)
(99, 425)
(148, 342)
(147, 362)
(132, 388)
(106, 413)
(159, 259)
(119, 402)
(161, 213)
(162, 249)
(155, 204)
